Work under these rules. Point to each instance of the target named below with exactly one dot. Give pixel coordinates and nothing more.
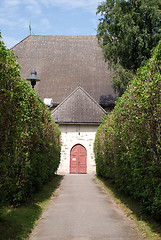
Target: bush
(29, 138)
(128, 142)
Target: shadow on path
(83, 210)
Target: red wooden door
(78, 159)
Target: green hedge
(29, 138)
(128, 142)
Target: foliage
(128, 142)
(29, 138)
(128, 31)
(16, 223)
(120, 79)
(149, 227)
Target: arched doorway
(78, 159)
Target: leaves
(29, 138)
(131, 138)
(127, 32)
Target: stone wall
(77, 134)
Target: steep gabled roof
(63, 63)
(79, 107)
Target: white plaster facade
(77, 134)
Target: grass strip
(18, 223)
(150, 228)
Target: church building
(75, 84)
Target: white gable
(79, 116)
(72, 135)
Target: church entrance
(78, 159)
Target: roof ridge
(64, 100)
(44, 35)
(65, 35)
(92, 99)
(21, 41)
(88, 95)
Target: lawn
(17, 223)
(150, 228)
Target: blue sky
(49, 17)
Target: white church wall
(77, 134)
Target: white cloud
(7, 22)
(59, 3)
(86, 4)
(10, 41)
(15, 16)
(46, 23)
(11, 3)
(34, 10)
(16, 13)
(12, 9)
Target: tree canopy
(127, 32)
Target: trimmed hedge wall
(29, 138)
(128, 142)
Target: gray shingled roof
(79, 107)
(63, 63)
